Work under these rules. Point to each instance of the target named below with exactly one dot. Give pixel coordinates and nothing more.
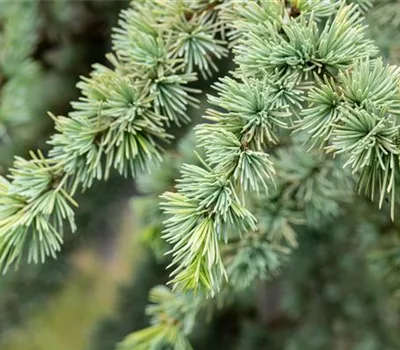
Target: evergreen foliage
(297, 83)
(118, 123)
(265, 98)
(309, 112)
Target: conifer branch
(119, 122)
(299, 76)
(172, 318)
(253, 110)
(306, 71)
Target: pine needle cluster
(119, 122)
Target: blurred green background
(44, 47)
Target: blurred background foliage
(44, 47)
(332, 294)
